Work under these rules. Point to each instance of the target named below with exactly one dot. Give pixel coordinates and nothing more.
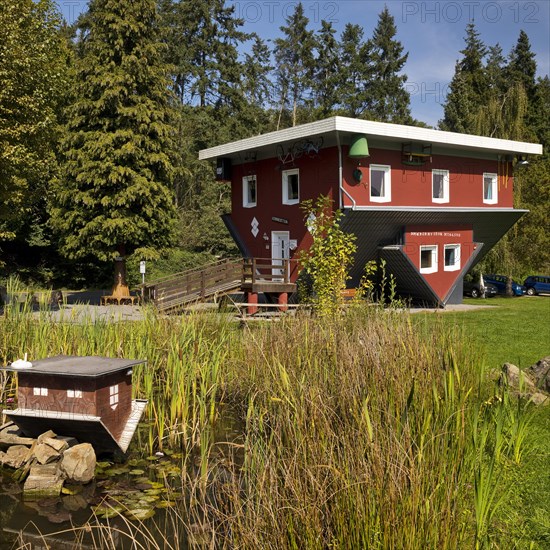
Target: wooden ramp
(195, 285)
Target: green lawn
(512, 330)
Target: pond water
(138, 499)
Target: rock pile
(46, 463)
(532, 383)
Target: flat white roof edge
(375, 129)
(61, 415)
(464, 209)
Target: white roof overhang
(380, 132)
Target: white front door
(279, 251)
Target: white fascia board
(395, 132)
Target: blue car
(500, 282)
(537, 284)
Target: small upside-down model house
(89, 398)
(431, 204)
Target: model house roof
(339, 129)
(70, 365)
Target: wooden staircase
(195, 285)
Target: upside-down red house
(429, 203)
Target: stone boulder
(45, 454)
(78, 463)
(524, 384)
(540, 373)
(45, 480)
(16, 456)
(10, 434)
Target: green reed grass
(360, 431)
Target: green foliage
(114, 197)
(330, 256)
(33, 81)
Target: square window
(74, 394)
(440, 186)
(113, 396)
(249, 191)
(40, 391)
(452, 257)
(428, 259)
(380, 183)
(490, 189)
(291, 186)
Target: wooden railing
(256, 270)
(193, 285)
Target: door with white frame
(280, 241)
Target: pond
(142, 500)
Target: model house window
(74, 394)
(440, 185)
(452, 257)
(380, 183)
(291, 186)
(113, 396)
(249, 191)
(40, 391)
(490, 189)
(428, 259)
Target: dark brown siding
(115, 419)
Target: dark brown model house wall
(52, 393)
(114, 417)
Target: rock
(10, 434)
(15, 456)
(78, 463)
(540, 399)
(46, 435)
(58, 445)
(45, 454)
(43, 481)
(518, 379)
(540, 372)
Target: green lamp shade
(359, 147)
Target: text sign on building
(279, 220)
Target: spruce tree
(354, 73)
(294, 64)
(522, 66)
(327, 74)
(388, 99)
(114, 199)
(468, 88)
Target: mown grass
(510, 330)
(359, 431)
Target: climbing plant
(327, 261)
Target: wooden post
(252, 298)
(282, 300)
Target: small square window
(40, 391)
(113, 396)
(249, 191)
(428, 259)
(291, 186)
(74, 394)
(490, 189)
(380, 183)
(452, 257)
(440, 186)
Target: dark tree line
(103, 161)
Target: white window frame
(286, 173)
(434, 249)
(74, 394)
(494, 188)
(246, 187)
(113, 396)
(386, 197)
(456, 265)
(445, 174)
(43, 392)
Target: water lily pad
(165, 504)
(103, 464)
(149, 498)
(140, 514)
(106, 511)
(136, 472)
(117, 471)
(72, 489)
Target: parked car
(537, 284)
(500, 282)
(473, 289)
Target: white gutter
(341, 178)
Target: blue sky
(431, 31)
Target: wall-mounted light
(265, 237)
(359, 147)
(522, 160)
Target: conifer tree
(388, 99)
(33, 79)
(355, 71)
(522, 66)
(328, 68)
(468, 88)
(294, 64)
(114, 199)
